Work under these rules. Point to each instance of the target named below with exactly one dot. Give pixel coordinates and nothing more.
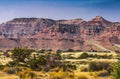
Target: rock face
(77, 34)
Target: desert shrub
(78, 50)
(83, 56)
(117, 51)
(12, 63)
(93, 55)
(97, 66)
(70, 50)
(103, 73)
(36, 63)
(110, 56)
(49, 50)
(70, 57)
(41, 51)
(10, 70)
(1, 67)
(71, 66)
(58, 51)
(104, 56)
(6, 69)
(84, 69)
(20, 54)
(26, 74)
(116, 70)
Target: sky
(60, 9)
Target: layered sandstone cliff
(40, 33)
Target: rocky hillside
(77, 34)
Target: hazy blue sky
(60, 9)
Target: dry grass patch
(90, 75)
(3, 75)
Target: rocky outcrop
(40, 33)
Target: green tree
(116, 70)
(36, 63)
(20, 54)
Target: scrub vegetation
(24, 63)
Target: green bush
(116, 70)
(12, 63)
(20, 54)
(84, 69)
(58, 51)
(1, 67)
(71, 66)
(70, 57)
(97, 66)
(83, 56)
(70, 50)
(103, 73)
(10, 70)
(36, 63)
